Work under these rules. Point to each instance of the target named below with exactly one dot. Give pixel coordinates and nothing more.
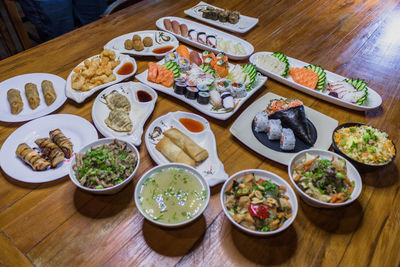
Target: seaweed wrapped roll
(261, 122)
(288, 141)
(238, 90)
(274, 129)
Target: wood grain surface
(55, 224)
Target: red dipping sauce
(192, 125)
(143, 96)
(162, 50)
(126, 69)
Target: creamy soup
(172, 195)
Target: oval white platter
(212, 168)
(208, 30)
(117, 43)
(244, 24)
(18, 82)
(373, 101)
(80, 96)
(139, 113)
(77, 129)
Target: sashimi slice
(152, 72)
(304, 76)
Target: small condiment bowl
(362, 167)
(266, 175)
(352, 174)
(105, 191)
(166, 166)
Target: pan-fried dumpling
(119, 121)
(118, 101)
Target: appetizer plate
(139, 113)
(160, 39)
(244, 24)
(212, 168)
(373, 101)
(18, 82)
(265, 175)
(242, 130)
(80, 96)
(352, 174)
(77, 129)
(248, 48)
(208, 109)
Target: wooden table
(57, 224)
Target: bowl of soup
(172, 195)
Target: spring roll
(31, 157)
(60, 140)
(51, 150)
(32, 95)
(15, 100)
(48, 92)
(173, 153)
(183, 141)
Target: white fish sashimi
(345, 91)
(271, 64)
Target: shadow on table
(271, 250)
(174, 242)
(338, 220)
(385, 177)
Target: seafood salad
(324, 179)
(258, 204)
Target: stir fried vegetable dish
(324, 179)
(105, 165)
(258, 204)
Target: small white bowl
(165, 166)
(265, 175)
(105, 191)
(352, 173)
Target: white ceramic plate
(244, 24)
(80, 96)
(248, 48)
(18, 82)
(373, 101)
(79, 130)
(212, 168)
(241, 129)
(221, 114)
(118, 43)
(140, 111)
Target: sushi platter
(72, 126)
(211, 168)
(217, 91)
(144, 43)
(331, 87)
(231, 21)
(207, 38)
(127, 128)
(244, 130)
(42, 108)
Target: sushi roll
(191, 92)
(288, 141)
(224, 85)
(183, 63)
(234, 17)
(203, 98)
(261, 122)
(227, 101)
(179, 80)
(179, 88)
(238, 90)
(215, 99)
(171, 56)
(203, 88)
(274, 129)
(223, 16)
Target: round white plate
(80, 96)
(77, 129)
(212, 168)
(18, 82)
(118, 43)
(140, 111)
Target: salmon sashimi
(168, 80)
(183, 51)
(304, 76)
(152, 72)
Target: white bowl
(352, 173)
(105, 191)
(173, 165)
(266, 175)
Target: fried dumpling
(118, 101)
(119, 121)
